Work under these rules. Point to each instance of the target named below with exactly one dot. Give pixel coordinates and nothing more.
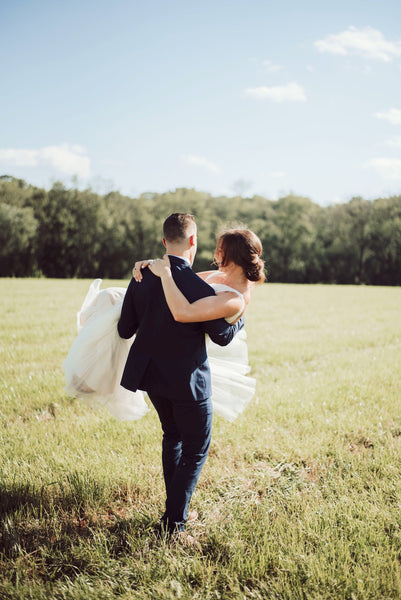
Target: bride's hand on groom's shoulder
(139, 265)
(160, 266)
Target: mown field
(300, 497)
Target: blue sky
(251, 97)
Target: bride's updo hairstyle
(242, 247)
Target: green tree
(384, 261)
(346, 240)
(70, 232)
(15, 192)
(18, 228)
(292, 238)
(77, 233)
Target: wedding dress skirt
(232, 388)
(97, 357)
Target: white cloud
(200, 161)
(394, 143)
(65, 158)
(18, 157)
(271, 67)
(393, 115)
(387, 168)
(368, 43)
(291, 92)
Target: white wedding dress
(96, 360)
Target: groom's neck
(180, 252)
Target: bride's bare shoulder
(206, 274)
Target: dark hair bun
(243, 247)
(255, 271)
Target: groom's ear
(164, 242)
(192, 240)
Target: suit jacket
(169, 358)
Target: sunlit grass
(299, 498)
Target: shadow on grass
(76, 492)
(70, 518)
(16, 498)
(48, 554)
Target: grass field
(299, 498)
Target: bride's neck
(234, 276)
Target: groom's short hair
(175, 227)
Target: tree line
(65, 232)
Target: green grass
(300, 497)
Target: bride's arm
(142, 264)
(206, 309)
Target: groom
(168, 360)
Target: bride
(94, 365)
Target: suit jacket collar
(179, 260)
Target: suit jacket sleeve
(194, 288)
(221, 332)
(128, 323)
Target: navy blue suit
(168, 360)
